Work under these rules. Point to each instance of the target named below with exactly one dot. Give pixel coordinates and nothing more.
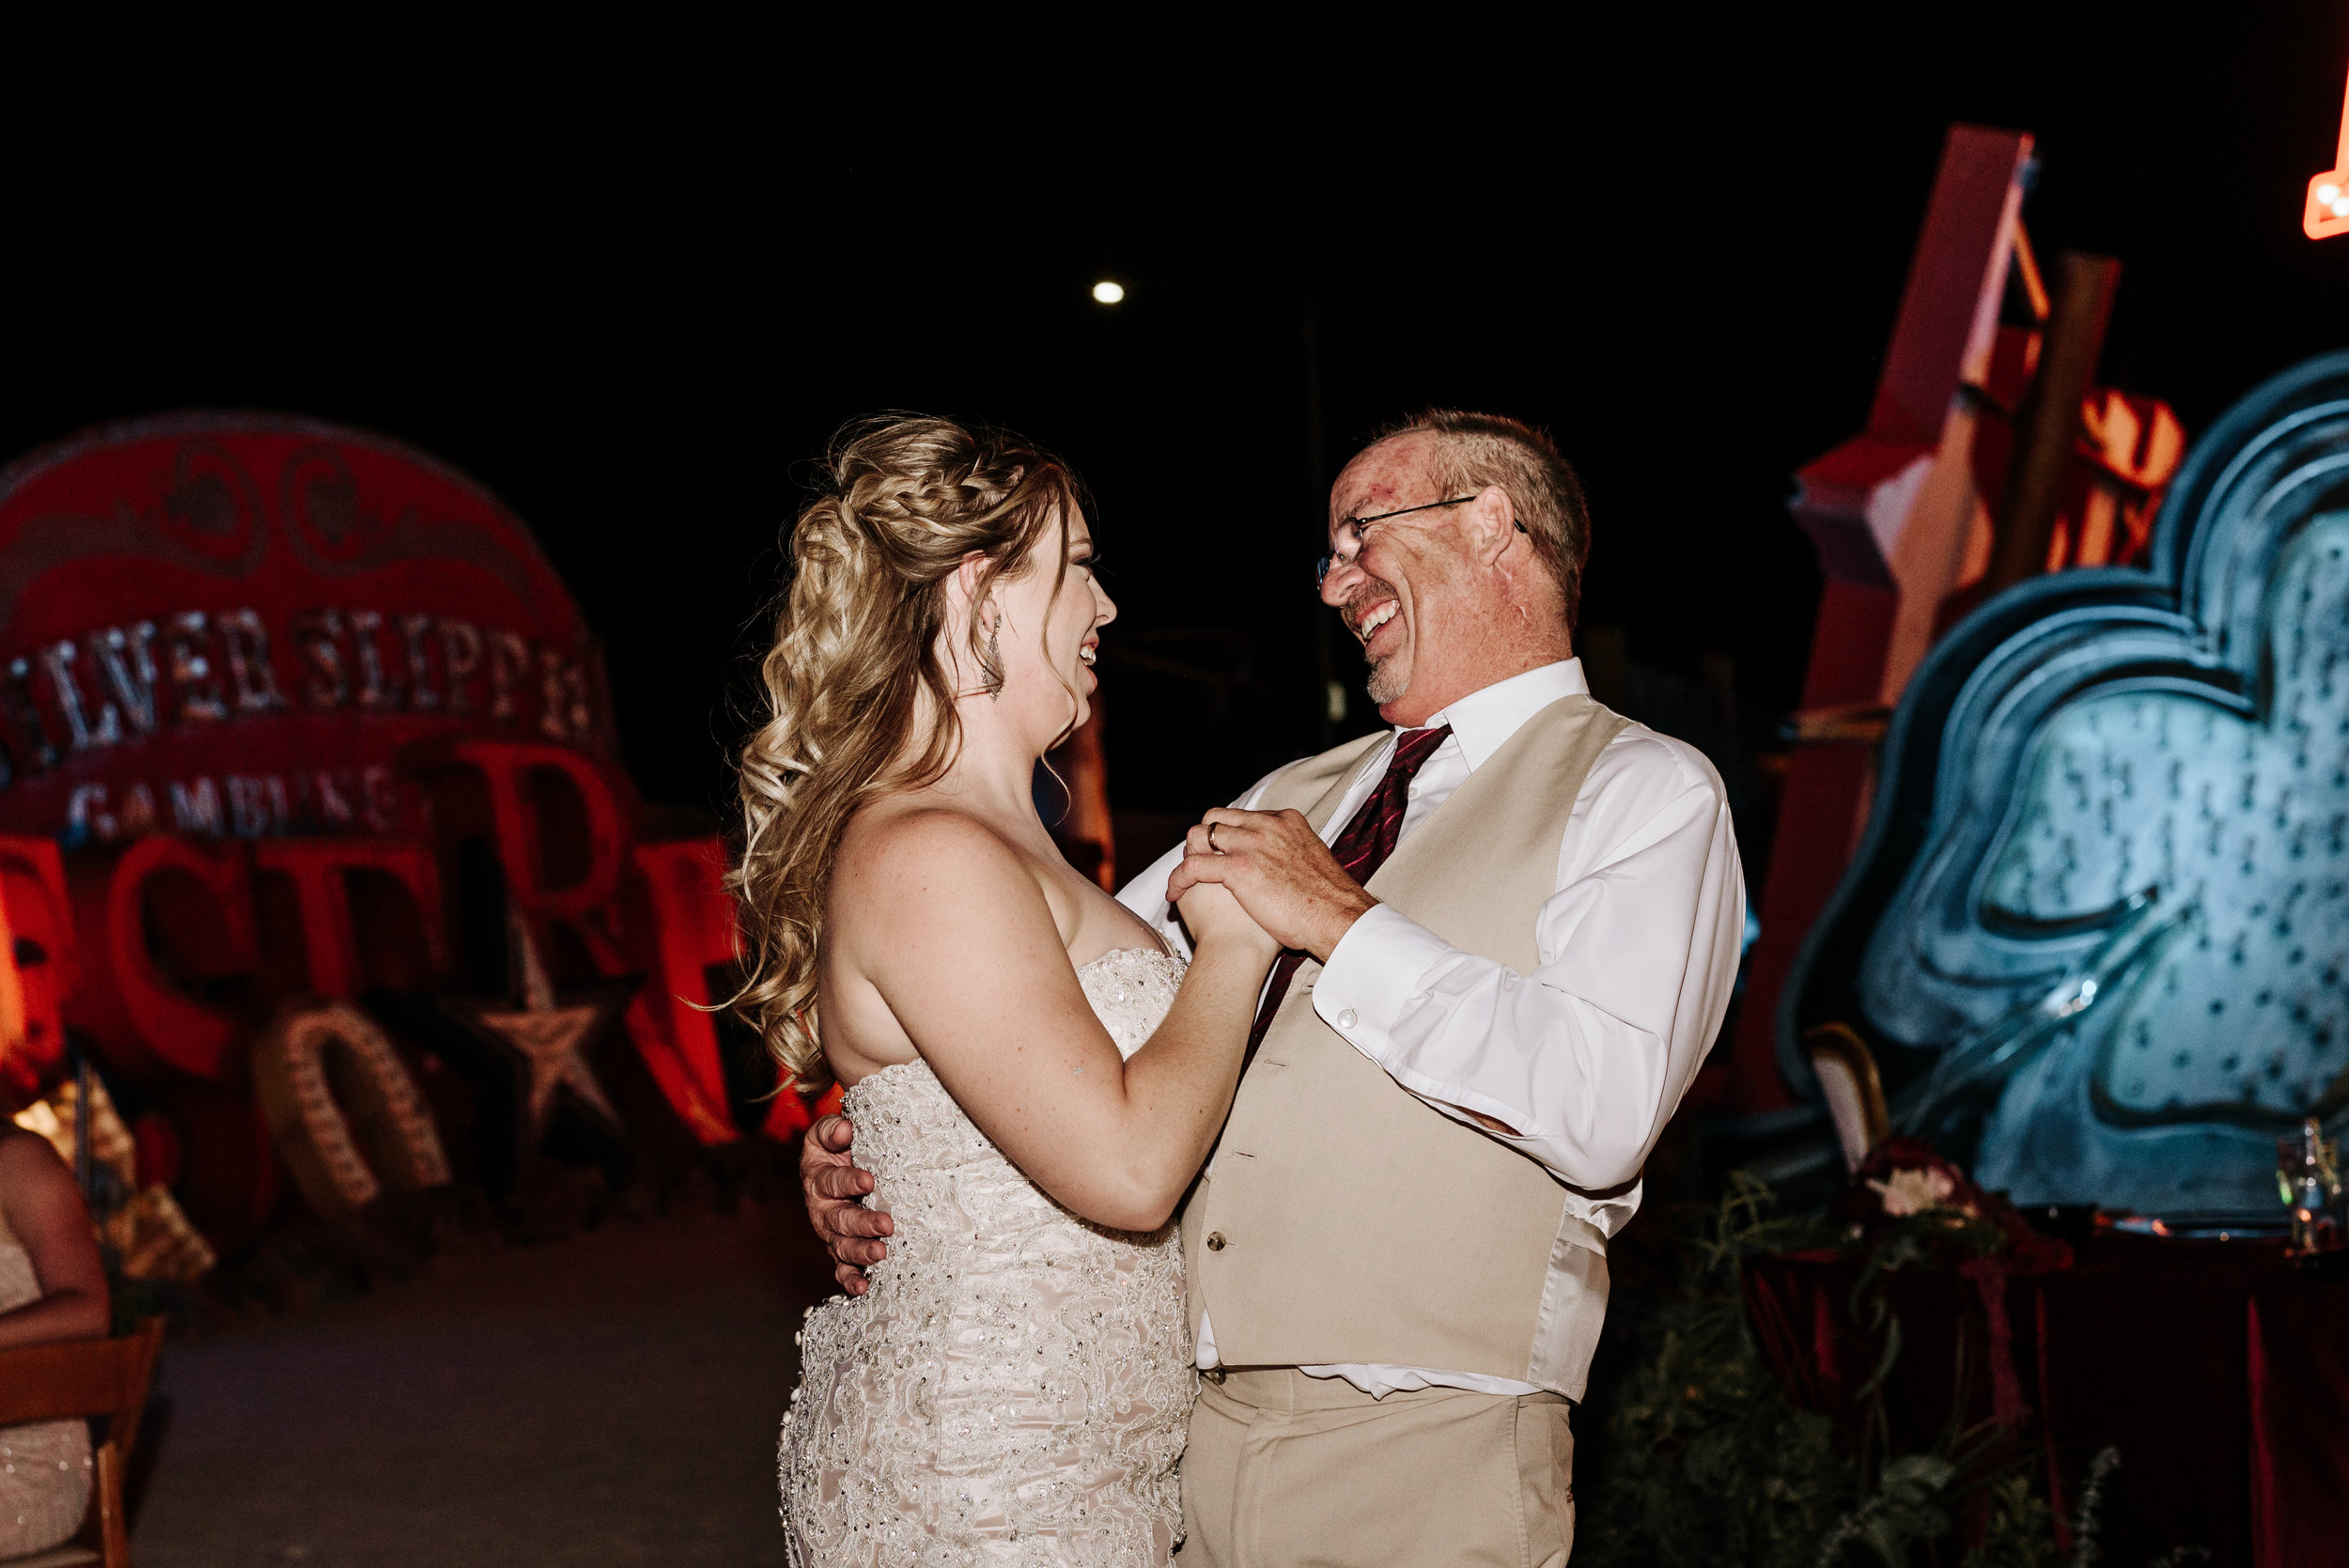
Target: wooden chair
(87, 1377)
(1847, 1069)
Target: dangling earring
(990, 664)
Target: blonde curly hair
(855, 676)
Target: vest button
(1215, 1241)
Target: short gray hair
(1473, 450)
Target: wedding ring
(1211, 848)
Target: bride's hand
(1213, 915)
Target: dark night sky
(630, 277)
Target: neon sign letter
(2328, 210)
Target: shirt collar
(1482, 721)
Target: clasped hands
(1280, 872)
(1272, 862)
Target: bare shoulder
(895, 854)
(892, 835)
(29, 1166)
(924, 841)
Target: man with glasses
(1513, 920)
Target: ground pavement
(610, 1400)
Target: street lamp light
(1109, 293)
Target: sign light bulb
(1109, 293)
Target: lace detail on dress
(1015, 1385)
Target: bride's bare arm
(953, 932)
(45, 1210)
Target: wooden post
(1888, 512)
(2048, 423)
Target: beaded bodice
(1016, 1379)
(937, 1176)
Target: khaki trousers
(1289, 1471)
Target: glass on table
(2308, 1179)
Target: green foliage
(2020, 1532)
(1934, 1238)
(1911, 1504)
(1701, 1461)
(1698, 1460)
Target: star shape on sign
(550, 1048)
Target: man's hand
(850, 1232)
(1280, 872)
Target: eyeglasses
(1328, 564)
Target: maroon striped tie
(1361, 849)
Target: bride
(1035, 1080)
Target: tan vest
(1349, 1222)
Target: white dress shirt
(1588, 1055)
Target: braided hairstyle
(861, 702)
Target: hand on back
(834, 1188)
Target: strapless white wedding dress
(1014, 1386)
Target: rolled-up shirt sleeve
(1586, 1057)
